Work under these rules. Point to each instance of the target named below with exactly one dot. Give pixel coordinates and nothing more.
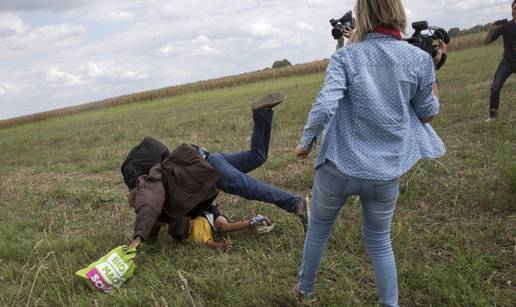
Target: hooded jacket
(172, 188)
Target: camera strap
(396, 33)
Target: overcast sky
(58, 53)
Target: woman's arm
(325, 105)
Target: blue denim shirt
(371, 103)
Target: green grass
(64, 205)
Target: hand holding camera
(424, 37)
(343, 26)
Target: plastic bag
(112, 270)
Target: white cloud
(40, 40)
(6, 88)
(56, 77)
(301, 25)
(11, 25)
(170, 49)
(201, 39)
(93, 72)
(260, 29)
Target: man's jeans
(378, 198)
(235, 166)
(504, 70)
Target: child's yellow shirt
(201, 230)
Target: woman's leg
(378, 200)
(330, 191)
(246, 161)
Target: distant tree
(453, 32)
(282, 63)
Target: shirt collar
(376, 35)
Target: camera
(338, 25)
(501, 22)
(425, 41)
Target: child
(201, 228)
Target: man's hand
(301, 153)
(492, 27)
(136, 242)
(442, 50)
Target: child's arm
(222, 225)
(226, 245)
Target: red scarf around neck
(396, 33)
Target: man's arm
(149, 199)
(492, 34)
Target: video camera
(338, 25)
(425, 41)
(501, 22)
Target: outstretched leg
(246, 161)
(235, 182)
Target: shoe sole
(269, 101)
(260, 230)
(307, 210)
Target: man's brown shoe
(268, 102)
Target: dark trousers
(504, 70)
(235, 166)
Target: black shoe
(303, 212)
(268, 102)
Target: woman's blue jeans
(378, 199)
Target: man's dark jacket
(172, 188)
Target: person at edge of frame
(507, 65)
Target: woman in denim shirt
(379, 95)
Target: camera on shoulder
(501, 22)
(425, 36)
(338, 25)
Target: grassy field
(64, 204)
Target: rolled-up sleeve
(326, 102)
(425, 103)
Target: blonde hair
(371, 14)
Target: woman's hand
(301, 153)
(347, 32)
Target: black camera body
(425, 41)
(338, 25)
(501, 22)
